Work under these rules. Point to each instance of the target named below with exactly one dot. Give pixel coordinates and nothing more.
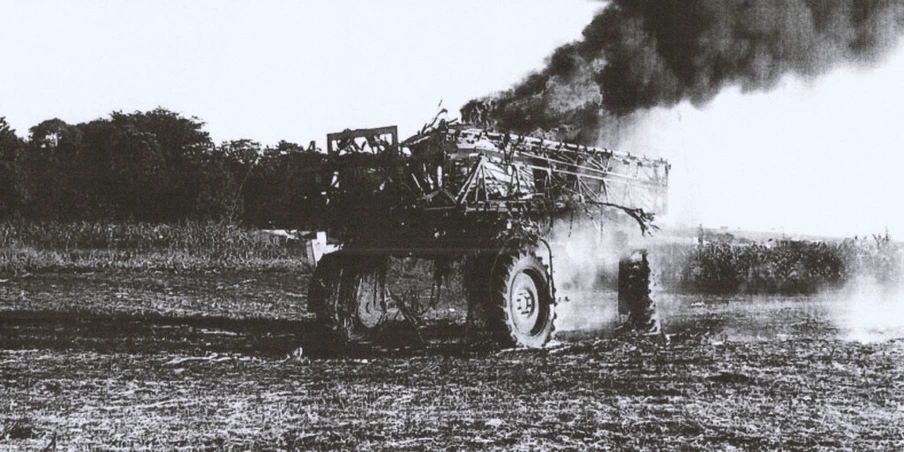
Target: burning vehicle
(488, 201)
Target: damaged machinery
(483, 202)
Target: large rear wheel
(522, 308)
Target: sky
(818, 156)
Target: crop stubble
(211, 361)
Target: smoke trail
(638, 54)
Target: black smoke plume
(639, 54)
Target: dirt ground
(231, 361)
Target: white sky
(822, 157)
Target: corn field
(786, 268)
(27, 246)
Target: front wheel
(634, 293)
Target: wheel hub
(525, 303)
(370, 302)
(525, 309)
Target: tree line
(154, 166)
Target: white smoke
(585, 266)
(869, 311)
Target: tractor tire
(634, 294)
(521, 311)
(348, 296)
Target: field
(229, 360)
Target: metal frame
(363, 141)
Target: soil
(232, 361)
